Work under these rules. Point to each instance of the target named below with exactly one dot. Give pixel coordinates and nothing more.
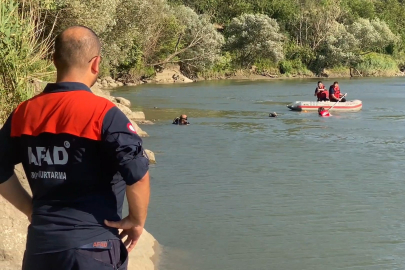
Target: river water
(239, 190)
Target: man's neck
(72, 78)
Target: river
(239, 190)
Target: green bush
(219, 69)
(266, 66)
(285, 66)
(294, 67)
(224, 63)
(23, 53)
(400, 59)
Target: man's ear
(95, 65)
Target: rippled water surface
(239, 190)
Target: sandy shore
(14, 226)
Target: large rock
(105, 94)
(171, 74)
(109, 79)
(151, 156)
(144, 255)
(131, 84)
(113, 84)
(13, 231)
(127, 111)
(137, 115)
(123, 101)
(38, 86)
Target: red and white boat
(348, 106)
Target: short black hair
(319, 82)
(335, 83)
(76, 50)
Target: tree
(340, 49)
(142, 29)
(315, 22)
(373, 36)
(255, 36)
(95, 14)
(347, 44)
(283, 11)
(198, 43)
(355, 9)
(219, 11)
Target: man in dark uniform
(335, 94)
(81, 155)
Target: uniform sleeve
(124, 145)
(8, 152)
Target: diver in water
(182, 120)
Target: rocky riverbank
(172, 74)
(135, 116)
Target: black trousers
(99, 258)
(342, 100)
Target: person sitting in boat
(324, 113)
(182, 120)
(334, 93)
(321, 93)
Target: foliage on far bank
(139, 34)
(319, 34)
(296, 37)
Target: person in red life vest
(334, 93)
(323, 112)
(321, 93)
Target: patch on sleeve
(131, 128)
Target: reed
(24, 52)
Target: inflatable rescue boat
(348, 106)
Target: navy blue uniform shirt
(79, 151)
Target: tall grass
(24, 51)
(294, 67)
(375, 64)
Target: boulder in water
(123, 101)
